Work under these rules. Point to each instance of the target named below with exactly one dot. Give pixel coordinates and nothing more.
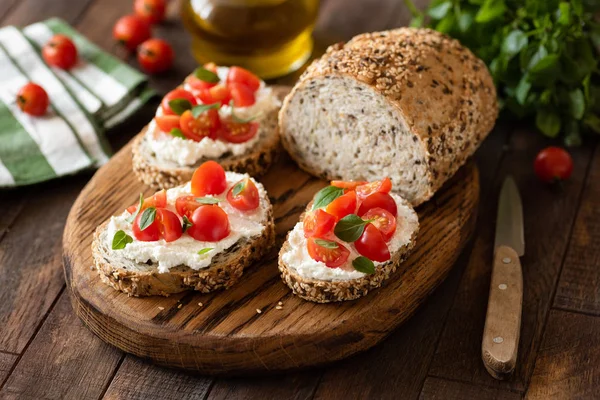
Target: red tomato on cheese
(371, 244)
(166, 225)
(186, 205)
(383, 220)
(216, 94)
(209, 224)
(173, 95)
(348, 184)
(236, 132)
(343, 205)
(332, 253)
(167, 122)
(206, 125)
(378, 199)
(209, 178)
(241, 95)
(243, 76)
(157, 200)
(244, 195)
(383, 186)
(318, 223)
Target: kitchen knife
(503, 320)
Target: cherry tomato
(343, 205)
(553, 164)
(200, 85)
(215, 94)
(383, 186)
(209, 224)
(166, 224)
(60, 51)
(348, 184)
(131, 31)
(383, 220)
(241, 95)
(378, 199)
(33, 99)
(152, 11)
(157, 200)
(186, 205)
(332, 257)
(318, 223)
(176, 94)
(155, 55)
(167, 122)
(196, 129)
(244, 195)
(209, 178)
(243, 76)
(236, 132)
(371, 244)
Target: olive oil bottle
(269, 37)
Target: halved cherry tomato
(131, 31)
(167, 122)
(157, 200)
(176, 94)
(383, 186)
(318, 223)
(155, 56)
(33, 99)
(244, 195)
(209, 224)
(196, 129)
(332, 257)
(209, 178)
(241, 95)
(343, 205)
(378, 199)
(60, 51)
(166, 224)
(348, 184)
(186, 205)
(243, 76)
(216, 94)
(371, 244)
(236, 132)
(383, 220)
(152, 11)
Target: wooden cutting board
(226, 334)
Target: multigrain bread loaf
(411, 104)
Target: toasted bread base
(226, 269)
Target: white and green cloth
(97, 93)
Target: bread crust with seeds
(437, 93)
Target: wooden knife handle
(503, 320)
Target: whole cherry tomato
(152, 11)
(60, 51)
(209, 178)
(378, 199)
(244, 195)
(33, 99)
(174, 95)
(131, 31)
(155, 55)
(243, 76)
(209, 224)
(371, 244)
(553, 164)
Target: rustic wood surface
(46, 352)
(226, 335)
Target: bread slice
(411, 104)
(143, 279)
(165, 175)
(327, 291)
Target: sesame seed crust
(444, 93)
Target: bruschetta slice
(198, 236)
(223, 114)
(350, 239)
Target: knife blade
(501, 333)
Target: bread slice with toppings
(314, 281)
(411, 104)
(164, 268)
(162, 161)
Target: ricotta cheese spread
(184, 152)
(184, 251)
(298, 259)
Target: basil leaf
(576, 103)
(207, 200)
(326, 196)
(522, 89)
(328, 244)
(179, 106)
(177, 133)
(186, 224)
(205, 75)
(592, 122)
(132, 217)
(514, 42)
(490, 10)
(350, 228)
(202, 108)
(564, 13)
(548, 122)
(205, 250)
(572, 135)
(120, 240)
(237, 189)
(364, 265)
(465, 20)
(440, 11)
(147, 218)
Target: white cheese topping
(184, 251)
(298, 259)
(187, 152)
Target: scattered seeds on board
(258, 311)
(280, 303)
(161, 308)
(279, 308)
(179, 306)
(200, 304)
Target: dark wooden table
(46, 352)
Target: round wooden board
(226, 335)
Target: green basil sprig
(205, 250)
(364, 265)
(326, 196)
(147, 217)
(120, 240)
(350, 227)
(177, 133)
(208, 200)
(202, 108)
(186, 224)
(205, 75)
(179, 106)
(132, 217)
(328, 244)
